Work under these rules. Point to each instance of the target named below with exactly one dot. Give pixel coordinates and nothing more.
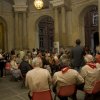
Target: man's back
(38, 79)
(90, 76)
(77, 56)
(68, 78)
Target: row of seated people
(16, 72)
(39, 79)
(19, 66)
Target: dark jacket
(24, 67)
(77, 56)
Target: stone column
(69, 25)
(24, 39)
(63, 24)
(56, 33)
(99, 18)
(69, 19)
(20, 25)
(16, 31)
(92, 44)
(56, 25)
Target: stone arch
(3, 25)
(40, 20)
(81, 21)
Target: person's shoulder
(85, 68)
(73, 71)
(29, 72)
(57, 73)
(43, 69)
(98, 65)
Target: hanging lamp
(38, 4)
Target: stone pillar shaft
(99, 18)
(20, 25)
(63, 20)
(56, 24)
(24, 39)
(16, 31)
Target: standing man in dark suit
(2, 64)
(77, 55)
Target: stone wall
(74, 29)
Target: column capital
(56, 3)
(22, 8)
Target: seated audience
(24, 66)
(97, 58)
(89, 72)
(66, 76)
(16, 73)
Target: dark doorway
(91, 26)
(46, 33)
(96, 39)
(1, 36)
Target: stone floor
(10, 90)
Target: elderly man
(89, 72)
(66, 76)
(38, 79)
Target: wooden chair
(43, 95)
(94, 93)
(7, 68)
(67, 91)
(96, 88)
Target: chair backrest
(43, 95)
(96, 88)
(67, 90)
(7, 66)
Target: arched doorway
(96, 38)
(91, 27)
(3, 35)
(46, 33)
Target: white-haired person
(97, 59)
(90, 73)
(66, 76)
(38, 79)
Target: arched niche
(3, 35)
(89, 25)
(45, 32)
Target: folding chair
(92, 95)
(43, 95)
(67, 91)
(7, 68)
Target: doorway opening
(91, 28)
(46, 33)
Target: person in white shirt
(66, 76)
(38, 79)
(16, 73)
(89, 72)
